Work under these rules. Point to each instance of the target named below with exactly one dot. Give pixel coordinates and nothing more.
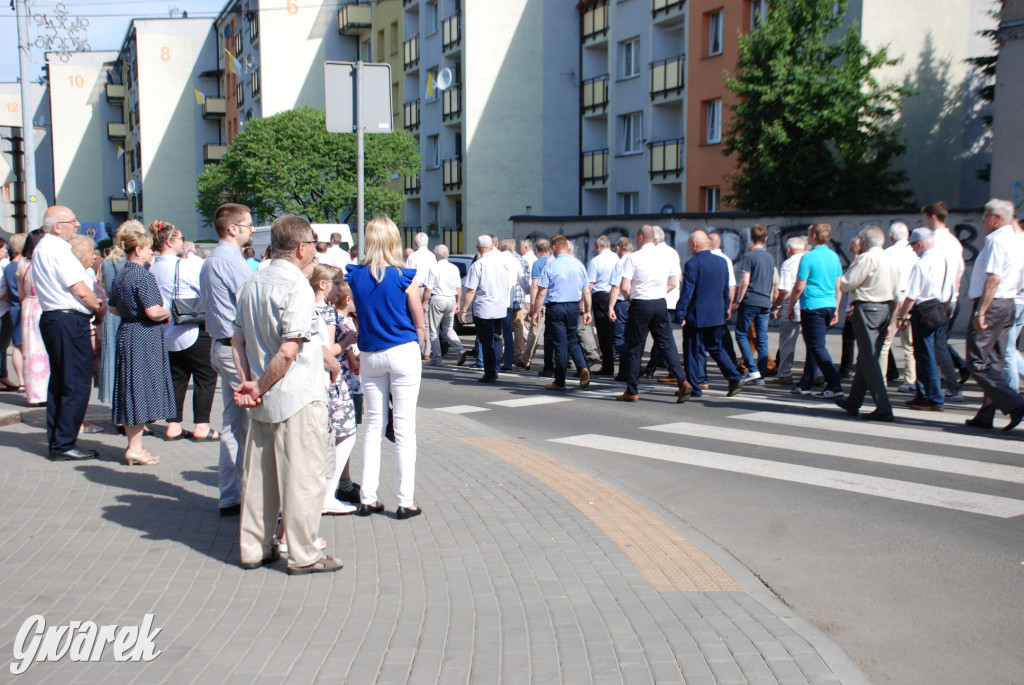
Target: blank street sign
(340, 97)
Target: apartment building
(12, 204)
(1008, 122)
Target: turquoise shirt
(820, 268)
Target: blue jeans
(489, 333)
(507, 338)
(814, 324)
(563, 318)
(759, 316)
(1013, 367)
(621, 317)
(929, 385)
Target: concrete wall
(1008, 150)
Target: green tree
(815, 130)
(290, 164)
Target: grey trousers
(986, 350)
(440, 313)
(870, 321)
(234, 428)
(789, 332)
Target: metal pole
(28, 134)
(360, 153)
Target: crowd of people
(306, 341)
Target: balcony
(117, 131)
(451, 33)
(595, 95)
(115, 92)
(595, 26)
(595, 167)
(412, 185)
(411, 50)
(119, 205)
(411, 115)
(354, 18)
(667, 78)
(666, 159)
(214, 153)
(452, 174)
(407, 3)
(214, 107)
(451, 107)
(668, 12)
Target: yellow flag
(200, 98)
(120, 152)
(230, 62)
(430, 85)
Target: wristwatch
(977, 314)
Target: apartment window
(239, 45)
(758, 12)
(714, 122)
(716, 31)
(629, 203)
(434, 213)
(630, 51)
(394, 38)
(632, 133)
(434, 150)
(255, 82)
(432, 22)
(712, 198)
(364, 51)
(239, 94)
(254, 27)
(432, 92)
(380, 46)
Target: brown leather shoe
(684, 393)
(554, 386)
(626, 397)
(668, 379)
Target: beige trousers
(907, 340)
(520, 329)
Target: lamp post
(63, 34)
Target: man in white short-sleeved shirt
(68, 303)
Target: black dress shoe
(734, 387)
(79, 454)
(407, 512)
(962, 376)
(367, 509)
(487, 379)
(351, 495)
(546, 373)
(975, 422)
(1015, 418)
(603, 372)
(878, 416)
(231, 510)
(845, 406)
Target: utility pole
(28, 136)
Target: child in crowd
(350, 364)
(326, 281)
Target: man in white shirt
(994, 284)
(657, 358)
(337, 254)
(947, 244)
(442, 291)
(789, 331)
(487, 290)
(68, 303)
(901, 252)
(422, 258)
(599, 273)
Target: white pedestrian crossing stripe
(530, 401)
(947, 498)
(831, 448)
(461, 409)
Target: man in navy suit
(701, 310)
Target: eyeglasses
(309, 242)
(72, 221)
(249, 226)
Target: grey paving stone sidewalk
(501, 581)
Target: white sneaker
(797, 390)
(752, 376)
(334, 506)
(830, 394)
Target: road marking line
(952, 417)
(987, 505)
(897, 432)
(461, 409)
(669, 560)
(530, 401)
(878, 455)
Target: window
(380, 46)
(365, 52)
(394, 38)
(434, 150)
(714, 122)
(758, 11)
(254, 27)
(432, 92)
(255, 82)
(630, 50)
(432, 23)
(433, 213)
(632, 133)
(715, 33)
(239, 45)
(239, 94)
(629, 203)
(712, 197)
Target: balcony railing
(214, 107)
(411, 115)
(666, 158)
(115, 92)
(214, 153)
(354, 17)
(667, 77)
(595, 24)
(451, 32)
(595, 94)
(412, 185)
(411, 51)
(595, 166)
(117, 131)
(666, 7)
(119, 205)
(452, 173)
(451, 107)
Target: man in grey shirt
(222, 276)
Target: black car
(463, 262)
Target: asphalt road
(901, 541)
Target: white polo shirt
(732, 270)
(489, 277)
(648, 270)
(927, 277)
(1001, 256)
(443, 279)
(54, 271)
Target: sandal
(325, 565)
(212, 436)
(183, 435)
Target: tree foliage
(290, 164)
(815, 130)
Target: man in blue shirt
(599, 273)
(817, 289)
(563, 282)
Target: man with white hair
(872, 282)
(658, 357)
(422, 258)
(903, 255)
(995, 280)
(520, 275)
(442, 291)
(487, 289)
(789, 331)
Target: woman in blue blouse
(391, 334)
